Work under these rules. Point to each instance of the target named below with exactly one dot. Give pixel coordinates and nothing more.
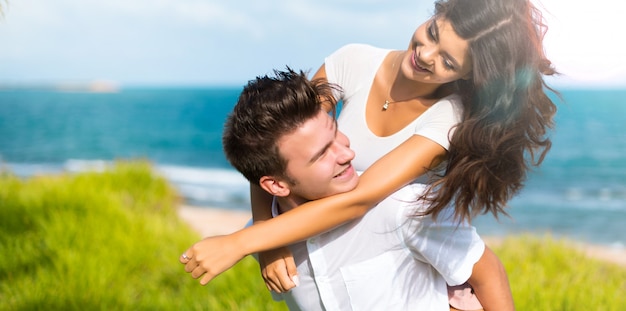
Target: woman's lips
(416, 65)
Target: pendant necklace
(387, 102)
(386, 105)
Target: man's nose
(344, 153)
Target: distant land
(96, 86)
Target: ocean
(579, 192)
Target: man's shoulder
(401, 203)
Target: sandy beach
(215, 221)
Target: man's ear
(274, 186)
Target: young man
(280, 138)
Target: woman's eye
(448, 64)
(431, 32)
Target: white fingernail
(296, 280)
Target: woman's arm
(396, 169)
(402, 165)
(491, 284)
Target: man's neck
(288, 203)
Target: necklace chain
(387, 102)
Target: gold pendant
(386, 105)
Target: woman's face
(437, 54)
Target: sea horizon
(579, 192)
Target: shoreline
(210, 221)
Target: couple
(468, 92)
(280, 136)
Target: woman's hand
(279, 270)
(211, 256)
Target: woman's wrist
(242, 242)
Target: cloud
(229, 42)
(581, 41)
(189, 41)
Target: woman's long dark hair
(507, 113)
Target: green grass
(549, 274)
(107, 241)
(111, 241)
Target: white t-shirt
(388, 259)
(353, 67)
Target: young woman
(484, 55)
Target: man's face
(318, 159)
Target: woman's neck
(401, 88)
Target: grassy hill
(111, 241)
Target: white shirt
(354, 68)
(385, 260)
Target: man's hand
(279, 270)
(210, 257)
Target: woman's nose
(426, 55)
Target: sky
(228, 42)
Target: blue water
(579, 192)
